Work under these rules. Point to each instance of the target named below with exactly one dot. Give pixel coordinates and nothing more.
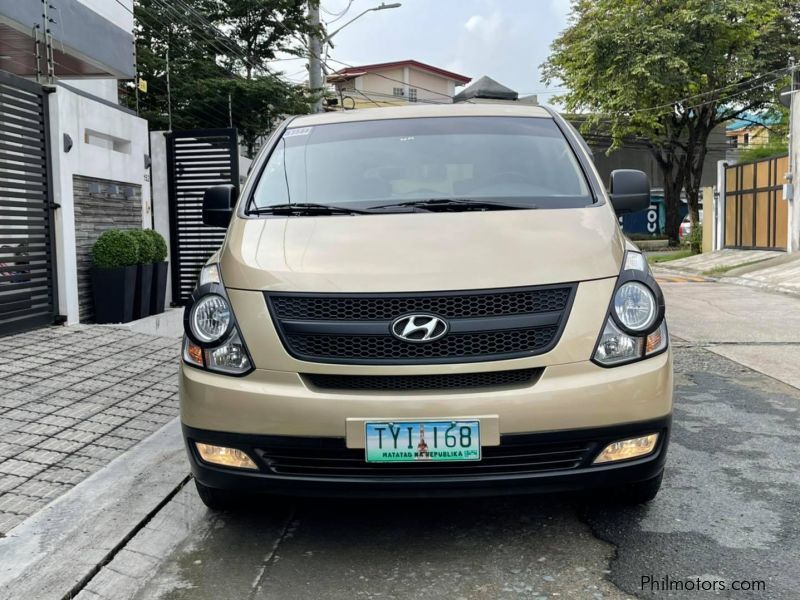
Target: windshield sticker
(297, 131)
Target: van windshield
(513, 162)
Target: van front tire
(216, 499)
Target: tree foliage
(218, 54)
(669, 72)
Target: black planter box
(113, 291)
(141, 299)
(158, 293)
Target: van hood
(412, 252)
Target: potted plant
(159, 288)
(144, 275)
(114, 257)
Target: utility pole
(230, 111)
(315, 53)
(169, 94)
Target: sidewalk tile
(87, 464)
(99, 453)
(9, 520)
(42, 457)
(116, 442)
(20, 468)
(60, 474)
(18, 504)
(8, 450)
(22, 438)
(9, 482)
(58, 445)
(41, 490)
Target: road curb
(51, 553)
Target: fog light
(228, 457)
(627, 449)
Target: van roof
(421, 110)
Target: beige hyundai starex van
(427, 300)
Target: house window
(746, 139)
(398, 91)
(733, 141)
(412, 94)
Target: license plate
(423, 441)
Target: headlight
(634, 328)
(635, 306)
(231, 357)
(210, 318)
(213, 341)
(617, 347)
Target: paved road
(729, 510)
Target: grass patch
(722, 270)
(660, 257)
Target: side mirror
(218, 204)
(629, 190)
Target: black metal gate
(196, 160)
(27, 250)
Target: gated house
(73, 162)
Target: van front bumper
(277, 413)
(273, 454)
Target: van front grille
(390, 383)
(451, 306)
(482, 325)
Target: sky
(504, 39)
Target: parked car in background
(428, 300)
(686, 225)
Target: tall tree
(218, 54)
(670, 71)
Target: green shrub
(147, 249)
(695, 239)
(114, 248)
(160, 244)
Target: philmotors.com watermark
(668, 583)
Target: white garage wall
(108, 143)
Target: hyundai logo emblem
(419, 328)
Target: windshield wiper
(455, 204)
(306, 208)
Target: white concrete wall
(160, 192)
(430, 87)
(102, 88)
(719, 207)
(794, 158)
(381, 86)
(93, 127)
(120, 13)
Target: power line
(338, 16)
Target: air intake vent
(389, 383)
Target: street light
(315, 44)
(382, 6)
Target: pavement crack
(582, 515)
(287, 527)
